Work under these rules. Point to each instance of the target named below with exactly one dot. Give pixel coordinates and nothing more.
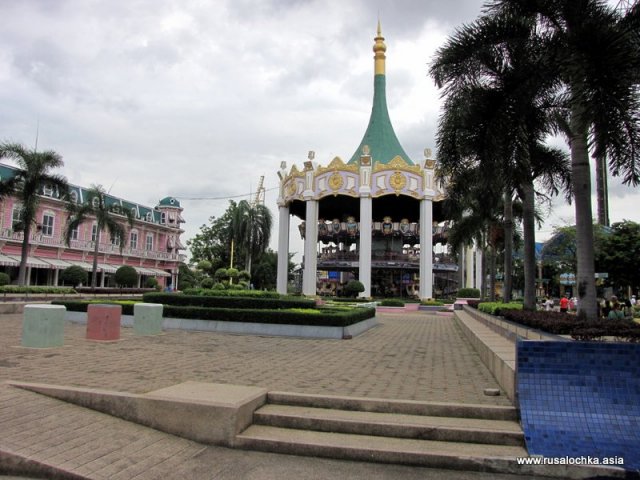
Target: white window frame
(149, 217)
(94, 232)
(163, 217)
(95, 202)
(15, 214)
(47, 190)
(148, 243)
(47, 230)
(133, 240)
(74, 196)
(75, 233)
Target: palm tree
(497, 114)
(251, 226)
(27, 184)
(106, 219)
(595, 61)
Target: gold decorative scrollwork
(336, 181)
(397, 181)
(292, 188)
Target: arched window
(74, 196)
(149, 217)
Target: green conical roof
(380, 136)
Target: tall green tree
(95, 208)
(213, 243)
(27, 185)
(251, 226)
(591, 53)
(618, 255)
(496, 116)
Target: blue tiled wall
(580, 399)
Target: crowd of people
(612, 308)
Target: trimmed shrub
(353, 288)
(468, 293)
(220, 274)
(244, 276)
(239, 302)
(474, 303)
(206, 282)
(432, 303)
(4, 279)
(330, 317)
(36, 290)
(391, 302)
(81, 305)
(496, 308)
(126, 276)
(75, 275)
(219, 290)
(232, 272)
(151, 282)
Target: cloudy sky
(199, 98)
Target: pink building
(152, 246)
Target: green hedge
(231, 293)
(325, 317)
(239, 302)
(468, 293)
(329, 316)
(391, 302)
(81, 305)
(348, 300)
(432, 303)
(20, 289)
(496, 308)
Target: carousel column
(309, 276)
(364, 261)
(310, 249)
(426, 226)
(426, 249)
(366, 212)
(283, 250)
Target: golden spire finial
(378, 49)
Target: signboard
(602, 275)
(567, 279)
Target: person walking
(564, 304)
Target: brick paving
(412, 356)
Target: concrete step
(449, 429)
(382, 405)
(427, 453)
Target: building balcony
(39, 239)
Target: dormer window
(74, 196)
(134, 212)
(163, 218)
(95, 202)
(48, 191)
(149, 216)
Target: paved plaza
(410, 356)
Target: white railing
(39, 239)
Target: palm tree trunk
(508, 245)
(602, 193)
(581, 178)
(22, 272)
(529, 232)
(492, 273)
(94, 277)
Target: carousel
(376, 218)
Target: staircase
(465, 437)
